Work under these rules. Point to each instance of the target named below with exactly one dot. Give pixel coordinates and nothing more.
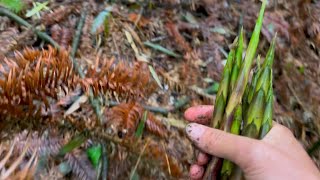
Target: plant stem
(94, 102)
(16, 18)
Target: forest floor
(183, 46)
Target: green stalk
(228, 166)
(267, 117)
(254, 116)
(245, 103)
(235, 77)
(237, 62)
(264, 80)
(258, 116)
(270, 54)
(222, 95)
(237, 93)
(220, 104)
(254, 81)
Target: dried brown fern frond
(62, 35)
(120, 168)
(177, 37)
(7, 39)
(30, 81)
(124, 119)
(44, 145)
(57, 15)
(15, 165)
(168, 162)
(86, 45)
(120, 79)
(81, 166)
(47, 147)
(154, 126)
(157, 161)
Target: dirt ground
(184, 44)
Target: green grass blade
(141, 125)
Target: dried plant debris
(62, 35)
(32, 80)
(39, 89)
(120, 79)
(124, 118)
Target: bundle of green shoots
(243, 108)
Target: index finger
(199, 114)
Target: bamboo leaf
(161, 49)
(155, 76)
(76, 105)
(37, 8)
(72, 144)
(94, 155)
(13, 5)
(100, 19)
(213, 88)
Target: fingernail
(196, 171)
(194, 131)
(202, 159)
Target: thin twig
(163, 111)
(202, 92)
(75, 44)
(139, 17)
(104, 160)
(167, 159)
(42, 35)
(139, 159)
(149, 108)
(94, 103)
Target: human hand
(277, 156)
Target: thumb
(235, 148)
